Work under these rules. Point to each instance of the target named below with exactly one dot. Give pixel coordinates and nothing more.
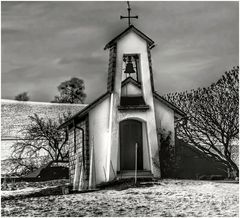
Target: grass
(167, 198)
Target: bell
(129, 68)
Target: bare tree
(22, 97)
(42, 142)
(212, 124)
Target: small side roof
(84, 111)
(122, 34)
(169, 104)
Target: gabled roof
(169, 104)
(85, 110)
(122, 34)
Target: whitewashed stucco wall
(131, 90)
(165, 119)
(99, 138)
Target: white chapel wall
(99, 136)
(131, 90)
(164, 118)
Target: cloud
(45, 43)
(81, 60)
(10, 30)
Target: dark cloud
(10, 31)
(45, 43)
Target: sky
(46, 43)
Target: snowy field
(169, 198)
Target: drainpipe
(92, 175)
(83, 145)
(82, 168)
(78, 175)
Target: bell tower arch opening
(131, 67)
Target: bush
(204, 177)
(217, 177)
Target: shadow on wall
(193, 164)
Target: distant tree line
(70, 91)
(22, 97)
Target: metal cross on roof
(129, 14)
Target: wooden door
(130, 134)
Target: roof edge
(85, 110)
(169, 104)
(137, 31)
(132, 81)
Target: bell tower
(132, 122)
(118, 137)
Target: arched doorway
(130, 134)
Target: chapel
(117, 135)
